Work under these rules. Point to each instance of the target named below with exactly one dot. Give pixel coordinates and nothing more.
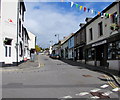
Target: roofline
(106, 9)
(94, 18)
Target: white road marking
(95, 97)
(107, 93)
(116, 89)
(95, 90)
(66, 97)
(82, 93)
(104, 86)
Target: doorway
(101, 55)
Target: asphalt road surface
(56, 79)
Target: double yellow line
(110, 82)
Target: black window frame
(6, 51)
(100, 28)
(91, 34)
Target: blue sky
(45, 19)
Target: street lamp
(57, 35)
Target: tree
(37, 48)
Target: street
(56, 79)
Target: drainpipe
(17, 32)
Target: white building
(12, 33)
(32, 43)
(103, 39)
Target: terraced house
(103, 38)
(13, 36)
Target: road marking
(82, 93)
(8, 70)
(107, 93)
(95, 90)
(95, 97)
(104, 86)
(67, 97)
(41, 64)
(110, 83)
(116, 89)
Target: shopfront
(105, 53)
(114, 52)
(96, 54)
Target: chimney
(88, 19)
(82, 24)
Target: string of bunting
(92, 11)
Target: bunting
(81, 7)
(89, 10)
(72, 3)
(77, 5)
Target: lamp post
(50, 50)
(57, 35)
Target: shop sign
(99, 43)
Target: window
(114, 18)
(5, 51)
(21, 50)
(114, 51)
(100, 29)
(90, 54)
(91, 34)
(19, 27)
(9, 51)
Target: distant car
(54, 56)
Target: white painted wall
(32, 40)
(9, 30)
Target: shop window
(90, 54)
(114, 51)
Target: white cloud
(48, 21)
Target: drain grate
(99, 94)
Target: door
(101, 55)
(8, 57)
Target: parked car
(54, 56)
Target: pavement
(113, 73)
(25, 65)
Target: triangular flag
(107, 15)
(10, 20)
(88, 9)
(102, 14)
(85, 9)
(92, 11)
(77, 5)
(72, 4)
(81, 7)
(98, 13)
